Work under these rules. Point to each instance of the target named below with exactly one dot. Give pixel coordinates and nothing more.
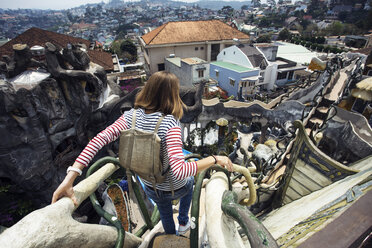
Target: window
(201, 73)
(161, 67)
(196, 48)
(201, 48)
(232, 82)
(281, 75)
(224, 53)
(290, 76)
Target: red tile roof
(36, 36)
(192, 31)
(101, 58)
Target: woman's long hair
(161, 93)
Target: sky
(52, 4)
(42, 4)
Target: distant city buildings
(36, 37)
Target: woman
(159, 96)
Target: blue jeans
(164, 202)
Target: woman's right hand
(225, 162)
(65, 189)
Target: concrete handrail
(252, 189)
(54, 226)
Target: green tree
(336, 28)
(320, 40)
(266, 38)
(120, 36)
(304, 23)
(115, 48)
(264, 22)
(317, 9)
(250, 19)
(299, 13)
(284, 34)
(129, 47)
(310, 31)
(227, 10)
(124, 28)
(125, 49)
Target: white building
(296, 53)
(274, 70)
(188, 70)
(185, 39)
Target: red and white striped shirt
(171, 145)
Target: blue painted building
(237, 80)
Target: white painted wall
(195, 73)
(270, 76)
(186, 73)
(158, 54)
(234, 55)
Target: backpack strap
(156, 131)
(167, 171)
(134, 119)
(158, 124)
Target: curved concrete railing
(221, 228)
(360, 124)
(53, 226)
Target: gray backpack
(139, 152)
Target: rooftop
(176, 61)
(254, 56)
(294, 52)
(193, 61)
(192, 31)
(231, 66)
(37, 36)
(189, 61)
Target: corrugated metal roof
(231, 66)
(293, 52)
